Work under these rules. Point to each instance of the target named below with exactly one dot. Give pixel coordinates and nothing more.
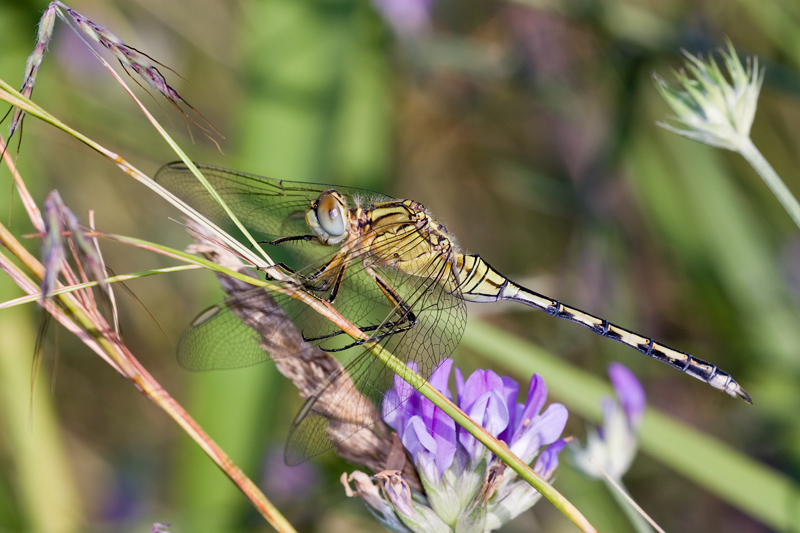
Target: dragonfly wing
(221, 337)
(334, 412)
(271, 207)
(356, 398)
(226, 335)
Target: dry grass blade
(131, 59)
(78, 311)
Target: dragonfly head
(328, 217)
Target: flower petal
(417, 437)
(537, 394)
(491, 412)
(542, 430)
(547, 461)
(422, 446)
(443, 429)
(472, 389)
(402, 394)
(629, 391)
(440, 379)
(510, 393)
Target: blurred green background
(527, 126)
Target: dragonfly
(388, 267)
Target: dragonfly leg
(406, 319)
(392, 327)
(373, 338)
(335, 267)
(283, 268)
(289, 239)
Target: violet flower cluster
(467, 488)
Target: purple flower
(547, 461)
(461, 477)
(613, 446)
(483, 397)
(630, 392)
(406, 17)
(284, 483)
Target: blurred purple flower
(406, 17)
(630, 392)
(284, 483)
(613, 445)
(465, 484)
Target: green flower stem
(771, 178)
(621, 495)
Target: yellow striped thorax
(399, 234)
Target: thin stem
(113, 279)
(771, 178)
(13, 97)
(163, 399)
(640, 522)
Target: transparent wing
(353, 398)
(219, 338)
(270, 207)
(331, 414)
(222, 337)
(225, 335)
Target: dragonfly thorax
(402, 235)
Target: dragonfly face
(328, 218)
(387, 267)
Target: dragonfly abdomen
(479, 282)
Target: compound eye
(330, 214)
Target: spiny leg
(326, 270)
(405, 316)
